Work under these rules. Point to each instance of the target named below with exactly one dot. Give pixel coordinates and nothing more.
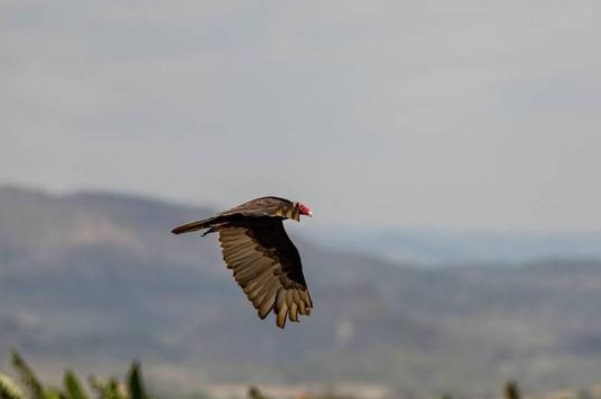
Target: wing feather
(246, 278)
(281, 299)
(282, 315)
(267, 266)
(267, 303)
(258, 281)
(265, 292)
(293, 312)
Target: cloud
(465, 115)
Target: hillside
(447, 248)
(94, 280)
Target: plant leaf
(35, 390)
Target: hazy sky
(453, 114)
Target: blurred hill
(443, 248)
(93, 280)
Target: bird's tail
(195, 226)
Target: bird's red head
(304, 209)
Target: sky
(465, 114)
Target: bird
(265, 262)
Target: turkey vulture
(266, 264)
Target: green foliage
(8, 389)
(31, 388)
(72, 387)
(108, 389)
(53, 393)
(511, 390)
(136, 387)
(255, 393)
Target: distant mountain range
(93, 280)
(431, 247)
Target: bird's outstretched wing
(267, 266)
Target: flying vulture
(265, 262)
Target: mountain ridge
(100, 280)
(430, 247)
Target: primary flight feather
(265, 262)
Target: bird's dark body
(265, 262)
